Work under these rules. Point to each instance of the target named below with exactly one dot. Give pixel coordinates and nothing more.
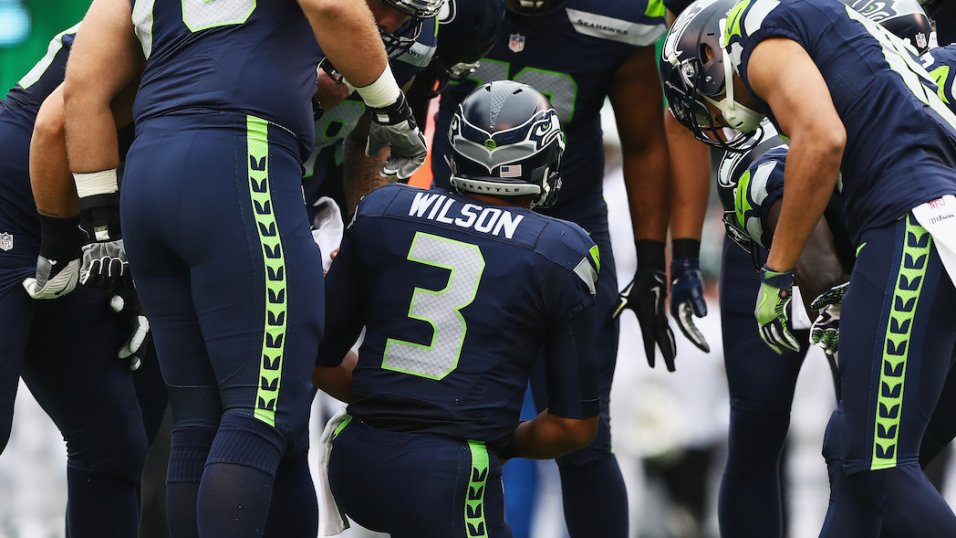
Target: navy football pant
(231, 280)
(417, 485)
(761, 385)
(65, 351)
(897, 341)
(592, 487)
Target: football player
(821, 72)
(761, 383)
(579, 53)
(215, 228)
(65, 350)
(457, 292)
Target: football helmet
(537, 7)
(732, 167)
(506, 141)
(903, 18)
(695, 71)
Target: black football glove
(646, 295)
(58, 265)
(134, 328)
(394, 127)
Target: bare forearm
(53, 187)
(818, 267)
(812, 167)
(337, 381)
(361, 173)
(690, 180)
(547, 436)
(346, 31)
(648, 191)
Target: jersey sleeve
(47, 74)
(419, 55)
(344, 303)
(750, 22)
(572, 372)
(941, 65)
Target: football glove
(645, 295)
(58, 265)
(825, 331)
(772, 311)
(104, 259)
(134, 328)
(394, 126)
(687, 299)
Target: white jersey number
(439, 308)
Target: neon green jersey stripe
(273, 340)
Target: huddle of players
(219, 245)
(412, 263)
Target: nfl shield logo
(6, 241)
(516, 44)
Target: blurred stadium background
(669, 428)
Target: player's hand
(645, 295)
(687, 299)
(825, 331)
(773, 310)
(58, 265)
(105, 267)
(394, 127)
(134, 328)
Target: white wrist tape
(382, 92)
(95, 183)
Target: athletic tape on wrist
(382, 92)
(96, 183)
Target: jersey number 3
(441, 309)
(204, 14)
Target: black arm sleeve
(572, 372)
(344, 306)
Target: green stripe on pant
(475, 526)
(273, 341)
(889, 403)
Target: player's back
(901, 139)
(459, 296)
(255, 58)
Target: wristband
(96, 183)
(60, 239)
(382, 92)
(685, 248)
(650, 254)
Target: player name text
(441, 208)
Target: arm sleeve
(572, 372)
(344, 305)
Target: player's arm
(53, 188)
(571, 420)
(783, 74)
(346, 31)
(345, 317)
(637, 101)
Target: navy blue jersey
(901, 138)
(332, 126)
(256, 58)
(570, 55)
(46, 75)
(458, 298)
(941, 64)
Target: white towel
(799, 318)
(327, 228)
(332, 520)
(939, 219)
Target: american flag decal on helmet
(510, 170)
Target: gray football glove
(394, 127)
(58, 265)
(105, 266)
